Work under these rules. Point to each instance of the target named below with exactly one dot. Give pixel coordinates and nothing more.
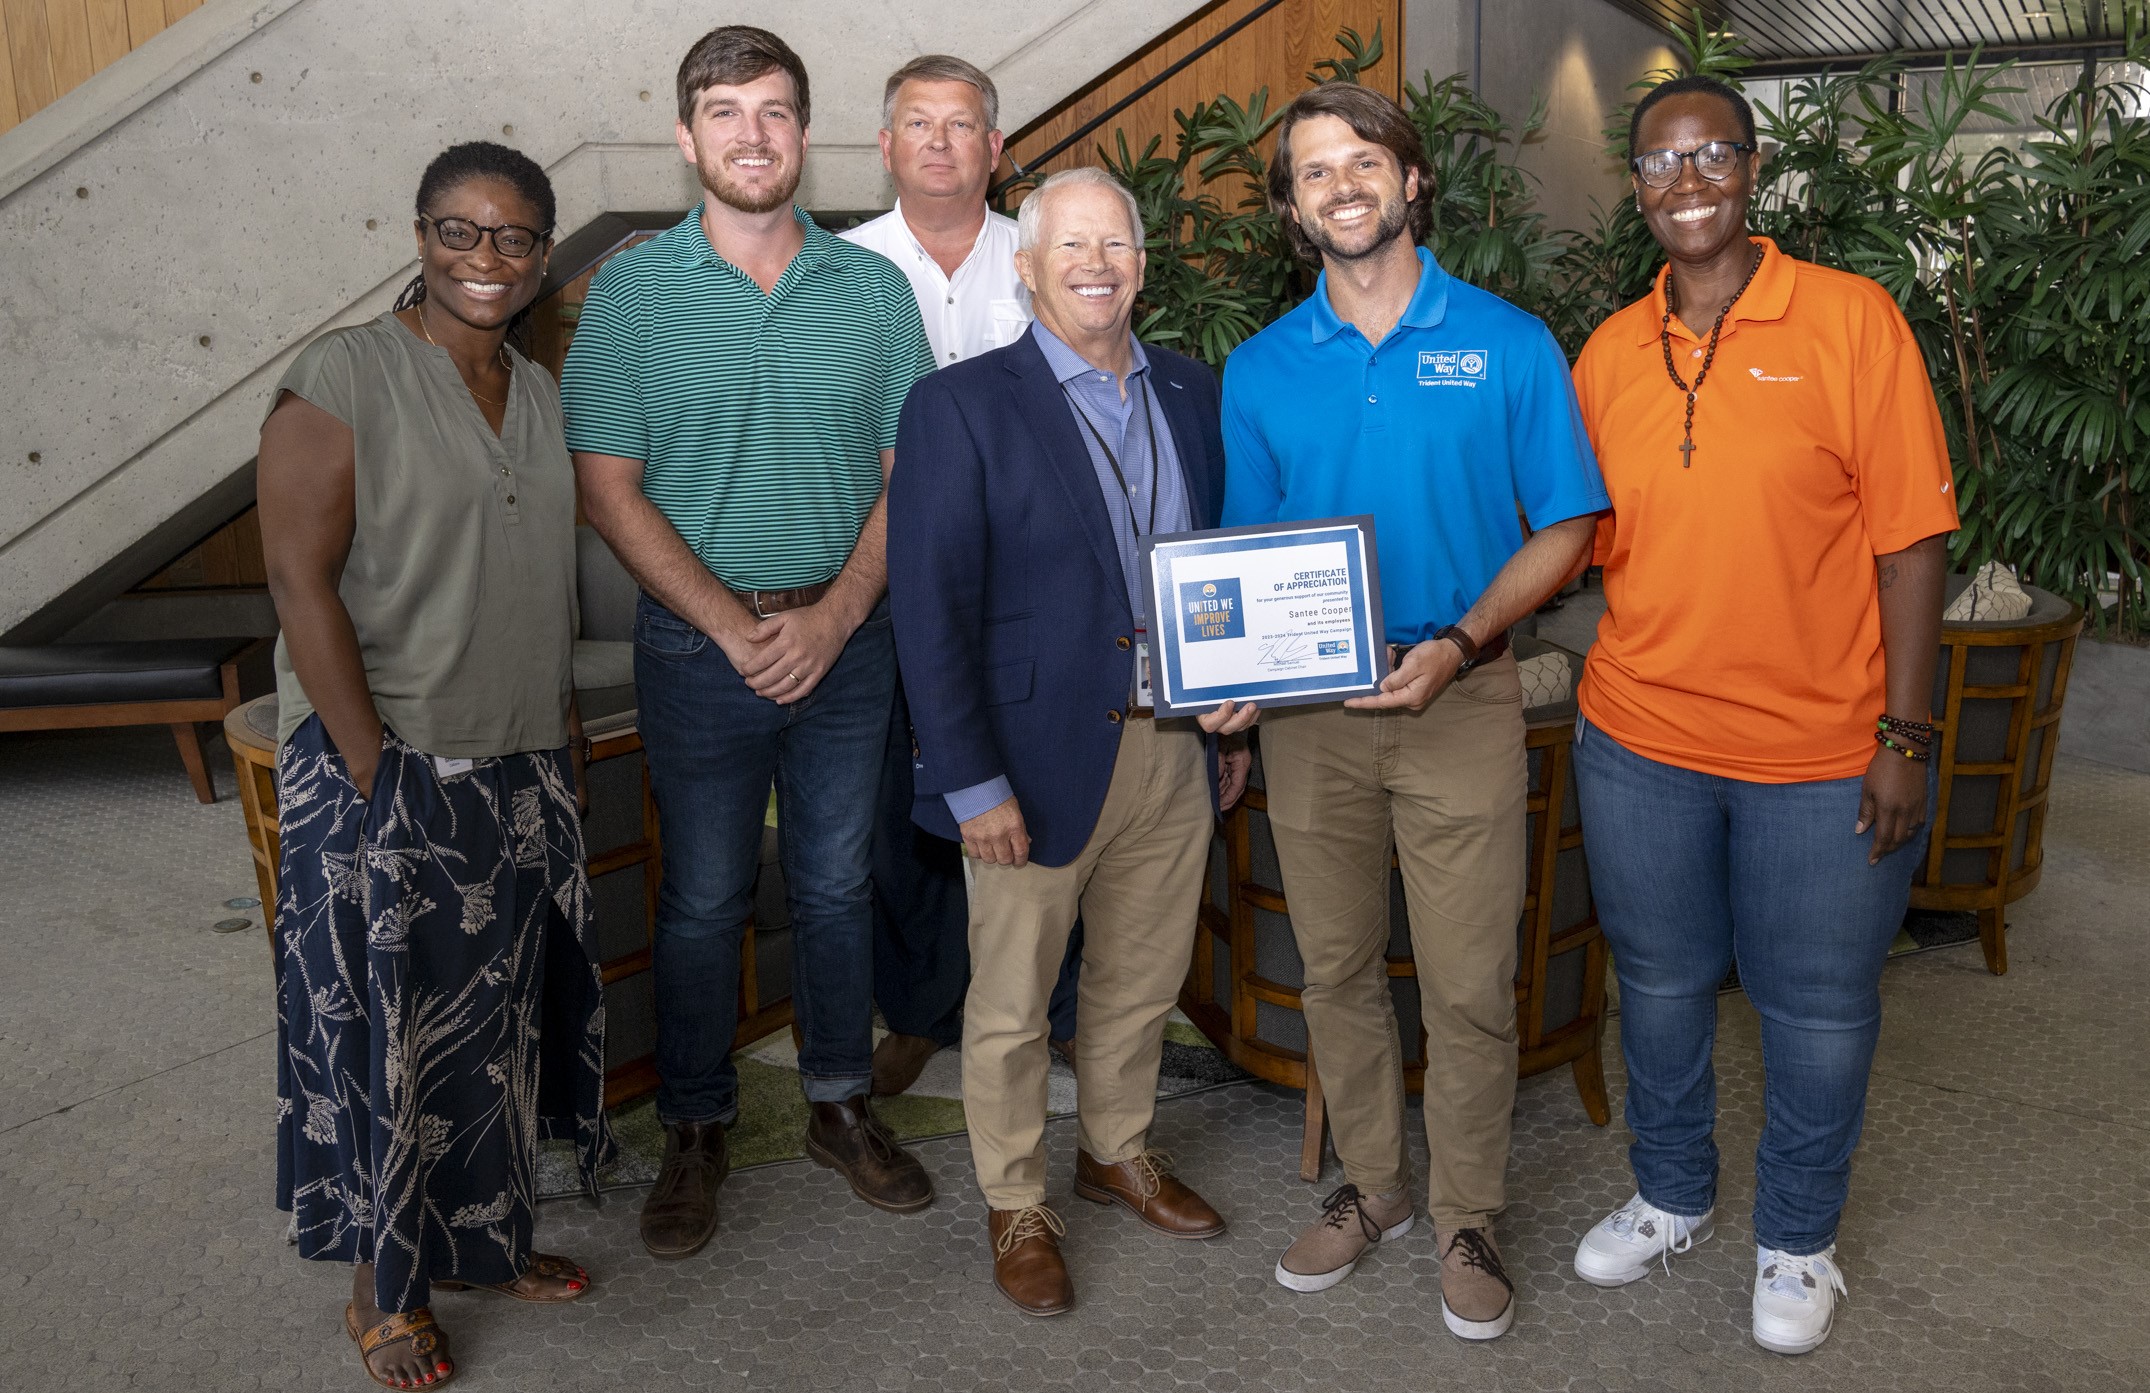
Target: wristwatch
(1465, 644)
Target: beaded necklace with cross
(1664, 339)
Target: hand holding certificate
(1284, 614)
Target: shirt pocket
(667, 636)
(1005, 322)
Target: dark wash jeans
(713, 748)
(1692, 872)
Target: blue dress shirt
(1129, 422)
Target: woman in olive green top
(438, 997)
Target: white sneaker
(1794, 1299)
(1626, 1242)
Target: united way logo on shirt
(1212, 609)
(1453, 367)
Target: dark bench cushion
(92, 674)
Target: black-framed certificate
(1283, 614)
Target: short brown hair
(941, 67)
(734, 54)
(1372, 117)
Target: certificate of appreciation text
(1282, 614)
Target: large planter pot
(1243, 989)
(1998, 691)
(2109, 705)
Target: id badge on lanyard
(1142, 667)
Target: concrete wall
(1578, 55)
(173, 231)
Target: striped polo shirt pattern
(759, 418)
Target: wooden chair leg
(1313, 1144)
(1993, 937)
(190, 753)
(1590, 1082)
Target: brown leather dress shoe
(681, 1211)
(1145, 1184)
(847, 1139)
(898, 1061)
(1027, 1266)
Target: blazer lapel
(1043, 407)
(1187, 443)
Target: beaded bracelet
(1907, 751)
(1910, 730)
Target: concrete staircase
(174, 230)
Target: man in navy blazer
(1024, 480)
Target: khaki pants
(1137, 886)
(1447, 786)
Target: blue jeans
(1692, 872)
(713, 748)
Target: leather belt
(763, 603)
(1142, 713)
(1489, 650)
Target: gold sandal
(418, 1327)
(544, 1265)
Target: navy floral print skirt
(438, 1009)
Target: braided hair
(481, 159)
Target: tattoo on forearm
(1888, 575)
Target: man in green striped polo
(732, 394)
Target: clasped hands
(785, 656)
(999, 837)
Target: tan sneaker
(1350, 1223)
(1477, 1299)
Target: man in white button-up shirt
(941, 143)
(940, 140)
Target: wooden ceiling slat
(1779, 32)
(1794, 34)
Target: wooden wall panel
(67, 25)
(145, 19)
(10, 116)
(50, 47)
(109, 38)
(1275, 51)
(29, 55)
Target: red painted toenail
(574, 1286)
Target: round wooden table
(250, 731)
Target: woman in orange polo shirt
(1752, 754)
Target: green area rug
(772, 1112)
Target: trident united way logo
(1453, 367)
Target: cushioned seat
(94, 674)
(174, 682)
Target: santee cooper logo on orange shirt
(1453, 367)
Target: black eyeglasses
(1716, 161)
(459, 235)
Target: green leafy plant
(2021, 269)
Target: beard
(711, 170)
(1388, 226)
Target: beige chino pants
(1137, 886)
(1446, 786)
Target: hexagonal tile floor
(1998, 1237)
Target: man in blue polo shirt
(1441, 410)
(732, 394)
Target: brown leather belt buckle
(763, 603)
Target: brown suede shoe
(1145, 1184)
(898, 1061)
(847, 1139)
(1027, 1266)
(1066, 1050)
(1477, 1298)
(681, 1210)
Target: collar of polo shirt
(1767, 298)
(1428, 307)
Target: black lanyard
(1156, 469)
